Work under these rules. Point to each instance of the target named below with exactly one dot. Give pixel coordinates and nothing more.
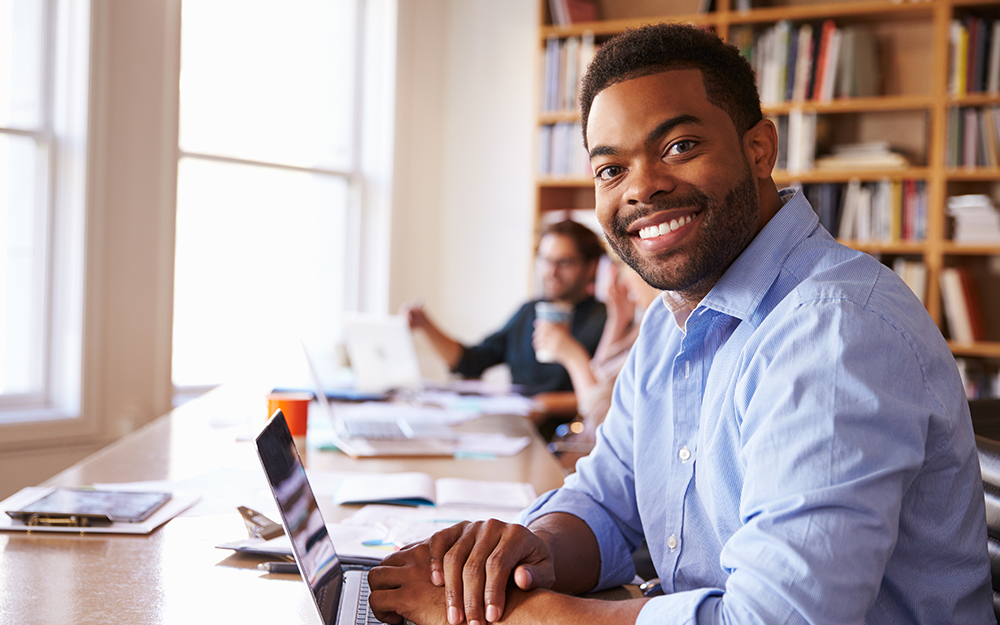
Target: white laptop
(339, 592)
(381, 351)
(371, 437)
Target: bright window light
(267, 182)
(24, 208)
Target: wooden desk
(175, 575)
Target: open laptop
(371, 437)
(339, 592)
(381, 351)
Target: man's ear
(760, 144)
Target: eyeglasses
(559, 264)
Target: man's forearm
(576, 556)
(544, 606)
(448, 348)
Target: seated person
(626, 300)
(568, 255)
(789, 433)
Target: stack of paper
(873, 155)
(976, 219)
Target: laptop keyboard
(375, 430)
(365, 616)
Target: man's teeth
(667, 226)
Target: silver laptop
(339, 592)
(371, 437)
(381, 351)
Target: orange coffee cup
(295, 407)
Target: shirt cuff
(616, 557)
(694, 606)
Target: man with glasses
(568, 254)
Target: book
(989, 142)
(973, 304)
(955, 306)
(826, 34)
(550, 92)
(570, 77)
(414, 489)
(558, 13)
(578, 11)
(849, 212)
(970, 137)
(867, 72)
(914, 274)
(993, 69)
(845, 79)
(803, 64)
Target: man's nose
(646, 180)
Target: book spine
(821, 59)
(993, 72)
(955, 306)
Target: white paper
(488, 444)
(351, 541)
(405, 525)
(415, 488)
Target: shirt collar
(748, 279)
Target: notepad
(415, 489)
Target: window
(270, 181)
(43, 107)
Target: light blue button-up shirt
(801, 452)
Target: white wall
(463, 207)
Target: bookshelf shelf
(849, 11)
(613, 27)
(951, 248)
(977, 350)
(559, 117)
(912, 113)
(566, 181)
(976, 173)
(888, 247)
(975, 99)
(865, 175)
(853, 105)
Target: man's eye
(609, 172)
(680, 147)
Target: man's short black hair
(729, 80)
(587, 243)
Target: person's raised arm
(448, 348)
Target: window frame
(62, 141)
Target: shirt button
(672, 542)
(685, 454)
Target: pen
(278, 567)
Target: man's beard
(726, 229)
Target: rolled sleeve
(616, 561)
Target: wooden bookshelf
(911, 110)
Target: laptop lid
(312, 546)
(360, 447)
(381, 351)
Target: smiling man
(789, 435)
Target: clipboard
(86, 507)
(22, 500)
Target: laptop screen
(311, 543)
